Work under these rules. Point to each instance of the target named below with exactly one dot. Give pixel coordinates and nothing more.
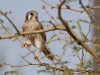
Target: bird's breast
(32, 26)
(36, 39)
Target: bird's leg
(37, 55)
(23, 44)
(28, 43)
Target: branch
(35, 65)
(59, 17)
(65, 23)
(94, 7)
(9, 21)
(95, 16)
(20, 42)
(74, 35)
(90, 16)
(49, 14)
(58, 27)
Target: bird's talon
(36, 57)
(23, 44)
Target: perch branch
(74, 35)
(20, 42)
(58, 27)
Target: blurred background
(10, 50)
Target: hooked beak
(35, 15)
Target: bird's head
(32, 16)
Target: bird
(31, 23)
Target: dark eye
(31, 13)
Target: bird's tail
(48, 53)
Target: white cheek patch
(29, 16)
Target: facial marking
(29, 17)
(32, 16)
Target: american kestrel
(31, 23)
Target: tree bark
(95, 31)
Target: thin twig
(78, 57)
(82, 56)
(50, 15)
(29, 53)
(65, 67)
(80, 2)
(20, 42)
(36, 65)
(52, 24)
(74, 35)
(69, 8)
(95, 16)
(25, 60)
(10, 21)
(89, 30)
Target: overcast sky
(11, 50)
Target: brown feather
(32, 26)
(47, 53)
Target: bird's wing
(29, 26)
(45, 49)
(40, 27)
(24, 27)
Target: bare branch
(59, 17)
(69, 8)
(49, 14)
(58, 27)
(74, 35)
(9, 21)
(21, 42)
(35, 65)
(86, 11)
(52, 24)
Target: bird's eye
(31, 13)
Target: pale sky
(11, 50)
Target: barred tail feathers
(47, 53)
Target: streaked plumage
(31, 23)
